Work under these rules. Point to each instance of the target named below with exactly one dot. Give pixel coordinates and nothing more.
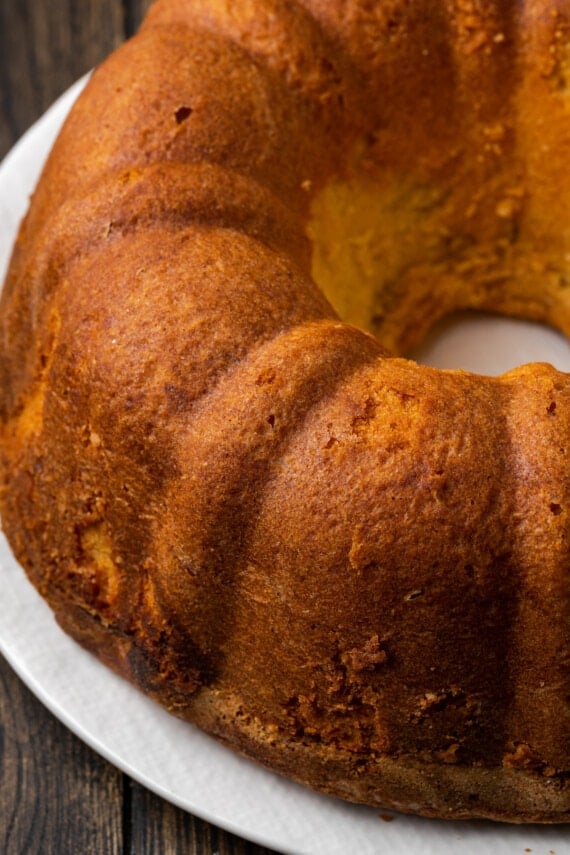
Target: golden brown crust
(349, 567)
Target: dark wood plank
(158, 828)
(134, 11)
(56, 795)
(45, 45)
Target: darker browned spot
(182, 114)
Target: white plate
(174, 759)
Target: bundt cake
(217, 465)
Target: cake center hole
(490, 344)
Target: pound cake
(217, 464)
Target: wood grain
(178, 831)
(56, 795)
(45, 46)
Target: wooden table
(56, 795)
